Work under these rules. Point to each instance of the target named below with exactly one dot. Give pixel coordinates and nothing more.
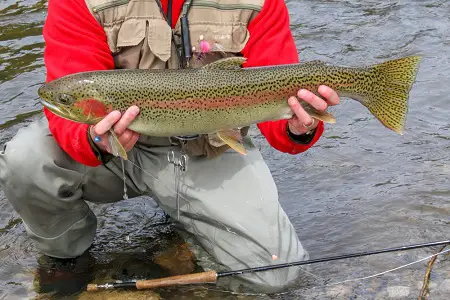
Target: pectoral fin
(115, 146)
(233, 138)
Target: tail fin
(388, 99)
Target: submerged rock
(178, 260)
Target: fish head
(74, 100)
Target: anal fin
(233, 138)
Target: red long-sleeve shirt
(75, 42)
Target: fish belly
(211, 116)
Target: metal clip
(180, 164)
(182, 140)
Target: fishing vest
(139, 37)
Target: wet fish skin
(222, 95)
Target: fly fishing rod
(212, 276)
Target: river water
(362, 187)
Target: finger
(132, 141)
(125, 137)
(315, 101)
(106, 123)
(330, 95)
(99, 139)
(302, 116)
(128, 117)
(103, 144)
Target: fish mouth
(66, 112)
(52, 107)
(55, 109)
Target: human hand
(302, 122)
(127, 137)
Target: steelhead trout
(221, 96)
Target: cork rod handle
(204, 277)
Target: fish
(221, 96)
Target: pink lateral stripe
(217, 102)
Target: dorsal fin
(234, 62)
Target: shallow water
(362, 187)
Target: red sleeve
(271, 43)
(75, 42)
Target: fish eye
(65, 99)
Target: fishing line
(125, 195)
(388, 271)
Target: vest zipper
(108, 5)
(200, 3)
(169, 12)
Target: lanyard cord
(184, 51)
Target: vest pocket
(131, 33)
(160, 38)
(124, 34)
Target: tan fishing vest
(139, 37)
